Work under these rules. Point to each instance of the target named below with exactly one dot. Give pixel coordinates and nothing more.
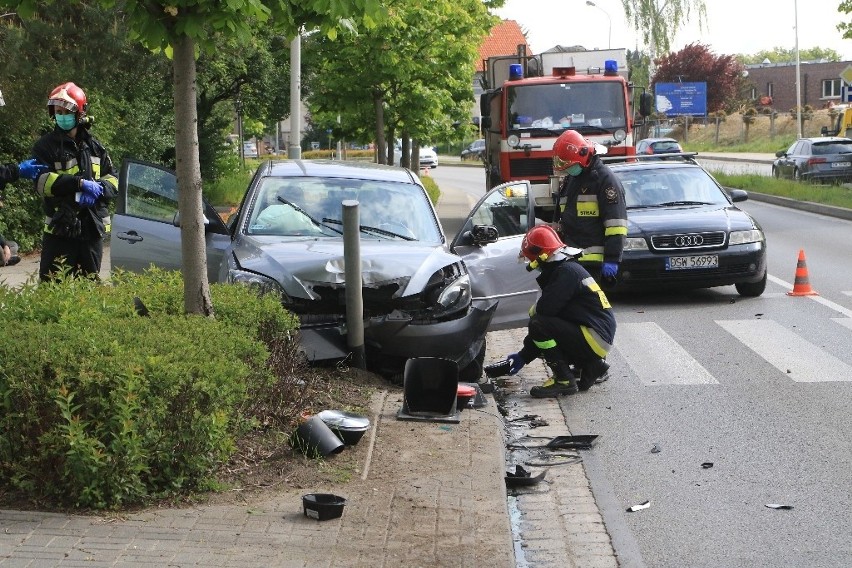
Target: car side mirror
(824, 131)
(646, 104)
(486, 122)
(780, 154)
(484, 234)
(738, 195)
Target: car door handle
(131, 237)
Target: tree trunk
(381, 149)
(196, 288)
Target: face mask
(66, 121)
(574, 170)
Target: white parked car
(428, 157)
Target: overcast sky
(733, 26)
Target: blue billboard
(676, 99)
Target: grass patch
(837, 195)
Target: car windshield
(557, 106)
(663, 187)
(305, 206)
(666, 146)
(826, 148)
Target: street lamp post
(798, 72)
(609, 34)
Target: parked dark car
(824, 158)
(474, 151)
(422, 297)
(653, 146)
(684, 231)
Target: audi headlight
(635, 243)
(745, 237)
(263, 284)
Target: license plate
(839, 164)
(689, 262)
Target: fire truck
(530, 100)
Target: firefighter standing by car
(592, 212)
(572, 322)
(28, 169)
(77, 189)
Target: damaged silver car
(422, 296)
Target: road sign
(846, 93)
(846, 74)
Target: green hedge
(102, 408)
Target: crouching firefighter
(76, 190)
(571, 326)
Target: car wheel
(472, 372)
(752, 289)
(775, 173)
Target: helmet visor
(561, 165)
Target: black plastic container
(349, 427)
(314, 438)
(498, 369)
(323, 506)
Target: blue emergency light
(610, 67)
(516, 71)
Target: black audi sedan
(685, 231)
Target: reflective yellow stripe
(591, 257)
(598, 345)
(610, 231)
(587, 209)
(546, 344)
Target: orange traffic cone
(802, 287)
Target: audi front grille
(688, 241)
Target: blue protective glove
(609, 269)
(515, 363)
(86, 199)
(30, 169)
(91, 188)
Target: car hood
(687, 219)
(300, 264)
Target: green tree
(788, 55)
(181, 28)
(410, 76)
(696, 63)
(658, 21)
(845, 7)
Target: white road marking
(656, 358)
(819, 299)
(787, 351)
(845, 322)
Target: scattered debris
(777, 506)
(639, 507)
(656, 449)
(579, 442)
(707, 465)
(522, 478)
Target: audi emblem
(689, 240)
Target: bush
(103, 408)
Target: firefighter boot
(561, 383)
(595, 372)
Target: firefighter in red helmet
(592, 213)
(76, 190)
(571, 326)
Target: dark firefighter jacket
(593, 213)
(569, 293)
(70, 161)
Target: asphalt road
(746, 401)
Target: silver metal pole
(798, 72)
(294, 150)
(352, 273)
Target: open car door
(489, 242)
(146, 224)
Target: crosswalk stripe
(797, 358)
(845, 322)
(656, 358)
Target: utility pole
(294, 150)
